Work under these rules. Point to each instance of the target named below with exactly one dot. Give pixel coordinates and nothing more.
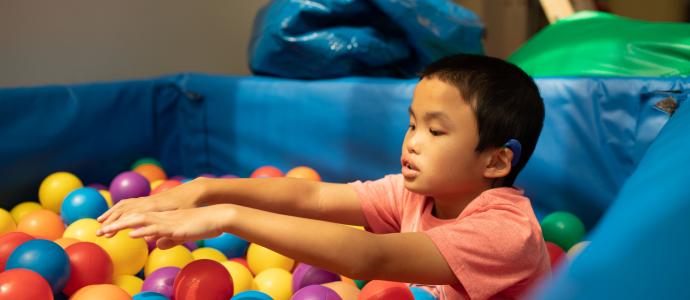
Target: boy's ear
(499, 163)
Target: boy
(451, 221)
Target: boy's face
(438, 156)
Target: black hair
(505, 100)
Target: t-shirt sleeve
(382, 203)
(490, 250)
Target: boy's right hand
(187, 195)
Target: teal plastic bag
(599, 44)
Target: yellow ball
(108, 198)
(83, 230)
(129, 255)
(65, 242)
(275, 282)
(178, 256)
(242, 279)
(55, 187)
(261, 258)
(6, 222)
(209, 253)
(576, 249)
(22, 209)
(130, 283)
(156, 183)
(345, 290)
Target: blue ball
(231, 245)
(421, 294)
(45, 258)
(150, 296)
(251, 295)
(83, 203)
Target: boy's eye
(435, 132)
(412, 126)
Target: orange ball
(65, 242)
(101, 291)
(42, 224)
(267, 171)
(304, 173)
(151, 172)
(166, 185)
(381, 290)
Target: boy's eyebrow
(438, 115)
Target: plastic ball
(348, 281)
(576, 249)
(129, 185)
(242, 278)
(8, 242)
(161, 281)
(261, 258)
(252, 295)
(421, 294)
(129, 283)
(229, 176)
(267, 171)
(165, 185)
(107, 197)
(361, 283)
(556, 254)
(22, 209)
(55, 188)
(306, 275)
(345, 290)
(145, 160)
(97, 186)
(66, 242)
(129, 255)
(275, 282)
(207, 175)
(178, 256)
(243, 262)
(83, 203)
(83, 230)
(23, 284)
(151, 172)
(304, 173)
(7, 223)
(315, 292)
(150, 296)
(156, 183)
(101, 292)
(231, 245)
(44, 257)
(379, 289)
(209, 253)
(89, 264)
(203, 279)
(563, 229)
(43, 223)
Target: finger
(167, 243)
(129, 221)
(151, 230)
(109, 212)
(112, 218)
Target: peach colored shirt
(494, 247)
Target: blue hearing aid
(516, 147)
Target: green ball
(563, 229)
(200, 243)
(145, 160)
(361, 283)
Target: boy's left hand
(171, 228)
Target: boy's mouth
(409, 170)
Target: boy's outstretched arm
(297, 197)
(405, 257)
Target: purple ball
(207, 175)
(191, 245)
(315, 292)
(178, 178)
(306, 275)
(129, 185)
(229, 176)
(161, 281)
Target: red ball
(8, 242)
(166, 185)
(556, 254)
(203, 279)
(381, 290)
(267, 171)
(23, 284)
(89, 264)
